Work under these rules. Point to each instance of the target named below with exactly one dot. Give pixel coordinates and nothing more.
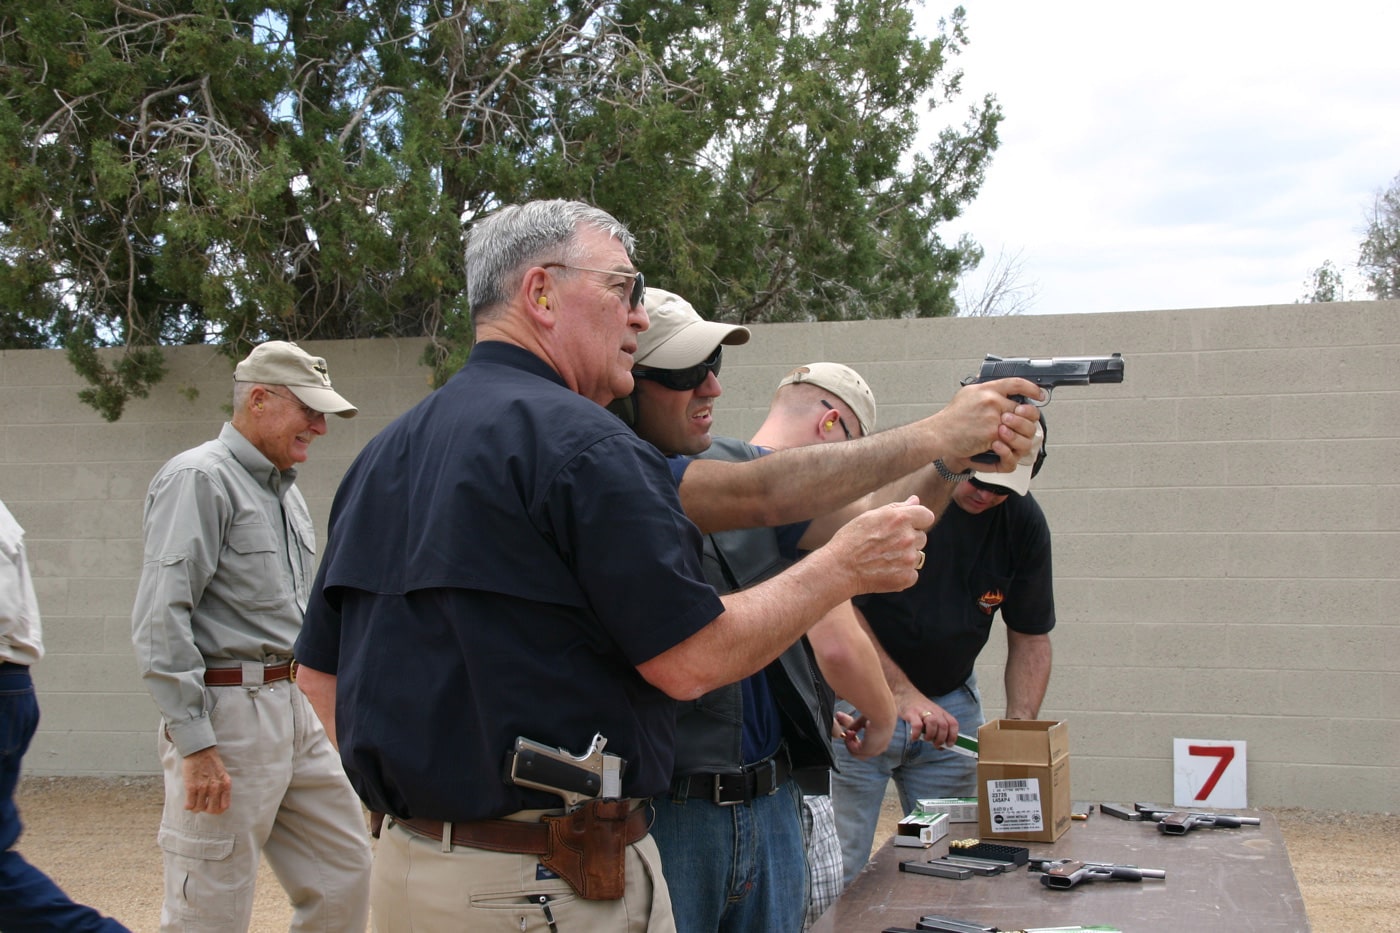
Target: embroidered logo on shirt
(990, 600)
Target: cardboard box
(1023, 780)
(959, 809)
(921, 829)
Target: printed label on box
(1014, 806)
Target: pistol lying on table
(1068, 872)
(1181, 822)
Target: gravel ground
(96, 838)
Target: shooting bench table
(1217, 879)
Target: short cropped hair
(503, 244)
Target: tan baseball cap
(279, 363)
(843, 382)
(678, 336)
(1019, 479)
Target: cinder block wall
(1225, 527)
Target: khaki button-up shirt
(229, 550)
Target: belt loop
(446, 836)
(252, 673)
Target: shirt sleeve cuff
(192, 736)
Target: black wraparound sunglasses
(639, 284)
(683, 380)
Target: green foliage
(1325, 284)
(1379, 260)
(113, 386)
(194, 171)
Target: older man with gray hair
(249, 769)
(509, 575)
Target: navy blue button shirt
(500, 559)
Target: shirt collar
(503, 353)
(256, 462)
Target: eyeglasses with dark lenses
(988, 487)
(683, 380)
(639, 283)
(839, 420)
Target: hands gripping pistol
(1049, 374)
(1068, 872)
(575, 778)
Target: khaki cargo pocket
(201, 880)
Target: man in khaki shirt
(249, 770)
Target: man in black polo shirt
(500, 563)
(989, 552)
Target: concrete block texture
(1226, 525)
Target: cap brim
(326, 401)
(693, 344)
(1017, 481)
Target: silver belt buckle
(714, 793)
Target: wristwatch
(948, 474)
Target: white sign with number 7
(1208, 774)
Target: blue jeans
(739, 868)
(29, 901)
(919, 770)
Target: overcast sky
(1179, 155)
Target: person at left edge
(508, 559)
(249, 770)
(30, 902)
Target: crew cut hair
(503, 244)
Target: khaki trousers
(419, 888)
(291, 802)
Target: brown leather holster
(588, 847)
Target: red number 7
(1226, 754)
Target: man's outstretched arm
(801, 483)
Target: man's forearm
(848, 660)
(801, 483)
(319, 688)
(876, 553)
(757, 625)
(795, 484)
(933, 490)
(1028, 659)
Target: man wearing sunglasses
(508, 560)
(990, 552)
(730, 831)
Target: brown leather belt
(510, 835)
(233, 676)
